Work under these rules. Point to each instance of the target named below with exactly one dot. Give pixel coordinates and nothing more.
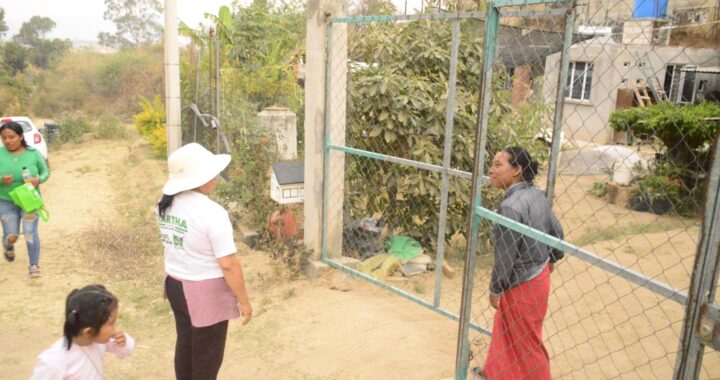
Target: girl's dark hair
(90, 307)
(164, 204)
(520, 157)
(17, 128)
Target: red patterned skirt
(516, 348)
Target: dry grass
(125, 247)
(124, 253)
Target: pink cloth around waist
(209, 301)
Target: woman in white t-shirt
(205, 283)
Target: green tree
(397, 104)
(41, 51)
(264, 44)
(45, 52)
(136, 23)
(261, 45)
(3, 25)
(15, 57)
(372, 8)
(34, 30)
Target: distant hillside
(91, 45)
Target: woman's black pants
(198, 350)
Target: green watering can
(27, 197)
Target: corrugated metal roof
(289, 172)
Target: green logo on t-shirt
(177, 228)
(172, 222)
(174, 240)
(177, 241)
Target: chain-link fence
(626, 171)
(394, 181)
(630, 206)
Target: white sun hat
(192, 166)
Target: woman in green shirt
(15, 157)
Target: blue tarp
(650, 9)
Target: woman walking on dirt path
(205, 282)
(17, 157)
(520, 282)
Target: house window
(293, 192)
(579, 81)
(287, 193)
(680, 85)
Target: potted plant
(657, 194)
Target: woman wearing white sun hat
(204, 283)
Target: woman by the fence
(520, 282)
(204, 283)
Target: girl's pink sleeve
(124, 351)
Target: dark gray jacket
(519, 258)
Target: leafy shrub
(661, 187)
(599, 189)
(658, 194)
(684, 130)
(123, 78)
(69, 85)
(97, 83)
(248, 180)
(110, 127)
(691, 186)
(687, 134)
(71, 129)
(397, 106)
(259, 46)
(14, 93)
(150, 123)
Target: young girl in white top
(90, 316)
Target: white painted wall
(615, 67)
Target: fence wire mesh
(639, 116)
(388, 86)
(633, 205)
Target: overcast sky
(82, 20)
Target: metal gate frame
(446, 171)
(707, 265)
(706, 268)
(703, 286)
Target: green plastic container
(28, 198)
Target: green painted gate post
(492, 23)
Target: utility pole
(172, 78)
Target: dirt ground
(598, 326)
(302, 329)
